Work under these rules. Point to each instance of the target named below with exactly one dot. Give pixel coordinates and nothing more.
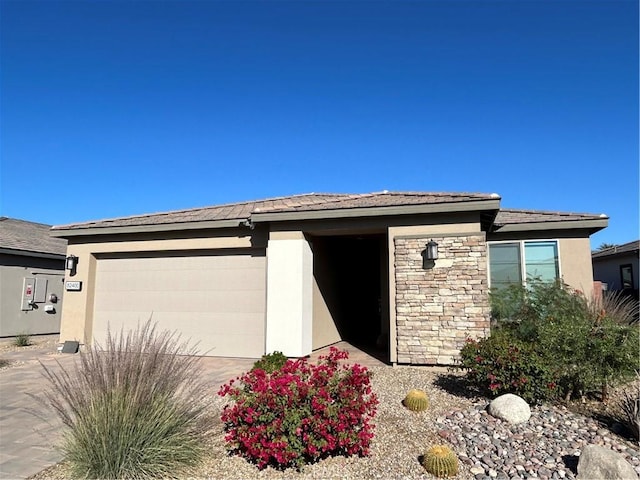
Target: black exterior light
(431, 251)
(71, 262)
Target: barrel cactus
(416, 400)
(440, 461)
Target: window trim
(523, 266)
(633, 283)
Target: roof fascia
(450, 207)
(594, 225)
(28, 253)
(165, 227)
(598, 255)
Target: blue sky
(114, 108)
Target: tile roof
(509, 216)
(294, 203)
(629, 247)
(29, 237)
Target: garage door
(216, 300)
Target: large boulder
(602, 462)
(510, 408)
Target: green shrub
(271, 362)
(502, 364)
(22, 340)
(552, 335)
(133, 410)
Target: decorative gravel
(546, 447)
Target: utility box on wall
(34, 291)
(31, 278)
(30, 297)
(28, 293)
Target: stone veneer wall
(439, 307)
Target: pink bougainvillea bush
(301, 412)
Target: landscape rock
(511, 408)
(601, 462)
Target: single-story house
(617, 267)
(31, 278)
(297, 273)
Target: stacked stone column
(439, 306)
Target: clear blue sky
(114, 108)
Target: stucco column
(289, 294)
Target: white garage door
(216, 300)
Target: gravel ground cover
(546, 447)
(11, 354)
(38, 342)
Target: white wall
(289, 294)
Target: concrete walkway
(29, 430)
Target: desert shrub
(502, 364)
(301, 412)
(552, 335)
(628, 407)
(133, 410)
(4, 362)
(271, 362)
(22, 340)
(615, 305)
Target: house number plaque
(73, 286)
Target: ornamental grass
(133, 409)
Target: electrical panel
(28, 293)
(41, 290)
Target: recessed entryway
(351, 296)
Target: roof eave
(592, 225)
(165, 227)
(625, 253)
(448, 207)
(29, 253)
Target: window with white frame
(521, 261)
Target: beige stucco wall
(324, 326)
(77, 311)
(289, 294)
(575, 263)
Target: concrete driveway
(29, 430)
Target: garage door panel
(204, 298)
(160, 280)
(179, 301)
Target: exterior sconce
(431, 252)
(70, 263)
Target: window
(626, 276)
(522, 261)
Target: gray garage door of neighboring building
(217, 300)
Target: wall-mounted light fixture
(431, 251)
(71, 263)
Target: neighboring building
(294, 274)
(617, 266)
(31, 278)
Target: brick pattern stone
(437, 308)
